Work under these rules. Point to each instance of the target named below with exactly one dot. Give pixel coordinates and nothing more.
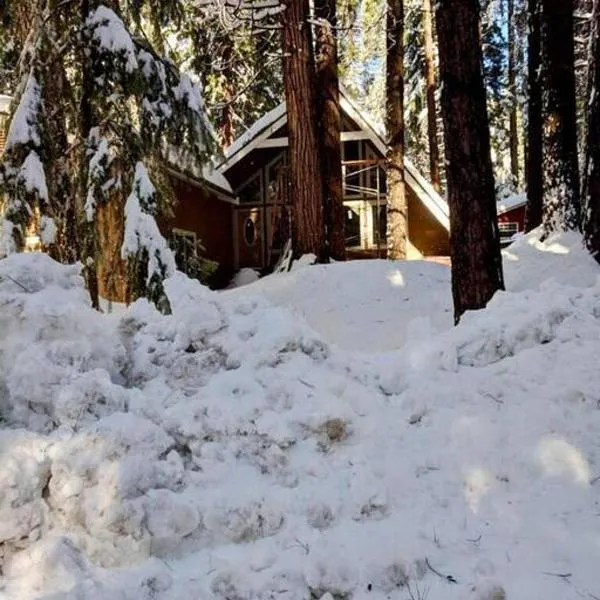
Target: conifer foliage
(123, 108)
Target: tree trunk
(226, 128)
(397, 212)
(434, 151)
(299, 80)
(559, 133)
(329, 109)
(592, 155)
(89, 250)
(512, 90)
(533, 214)
(474, 236)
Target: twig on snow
(18, 283)
(448, 578)
(565, 576)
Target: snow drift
(228, 452)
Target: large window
(251, 191)
(379, 224)
(277, 180)
(508, 231)
(351, 155)
(352, 227)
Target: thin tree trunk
(85, 126)
(329, 109)
(299, 80)
(559, 147)
(432, 132)
(533, 214)
(397, 211)
(226, 129)
(474, 236)
(512, 90)
(592, 155)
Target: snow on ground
(230, 452)
(369, 306)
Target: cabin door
(250, 237)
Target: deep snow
(240, 449)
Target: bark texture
(397, 212)
(89, 250)
(306, 181)
(329, 109)
(561, 199)
(592, 155)
(512, 90)
(432, 130)
(533, 215)
(474, 237)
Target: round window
(249, 232)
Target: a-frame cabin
(256, 167)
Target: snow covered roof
(276, 118)
(511, 202)
(5, 103)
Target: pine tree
(122, 105)
(559, 141)
(397, 209)
(329, 110)
(475, 240)
(299, 78)
(432, 113)
(534, 211)
(591, 185)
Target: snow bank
(227, 451)
(371, 306)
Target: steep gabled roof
(277, 118)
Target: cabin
(256, 167)
(511, 217)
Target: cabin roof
(510, 203)
(277, 118)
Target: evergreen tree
(474, 240)
(535, 192)
(123, 108)
(397, 208)
(559, 141)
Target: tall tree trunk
(474, 236)
(89, 250)
(592, 155)
(329, 109)
(299, 79)
(535, 190)
(226, 129)
(512, 90)
(397, 210)
(559, 139)
(432, 132)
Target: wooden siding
(425, 232)
(516, 215)
(208, 217)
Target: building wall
(425, 233)
(517, 215)
(207, 216)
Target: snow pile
(228, 452)
(371, 306)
